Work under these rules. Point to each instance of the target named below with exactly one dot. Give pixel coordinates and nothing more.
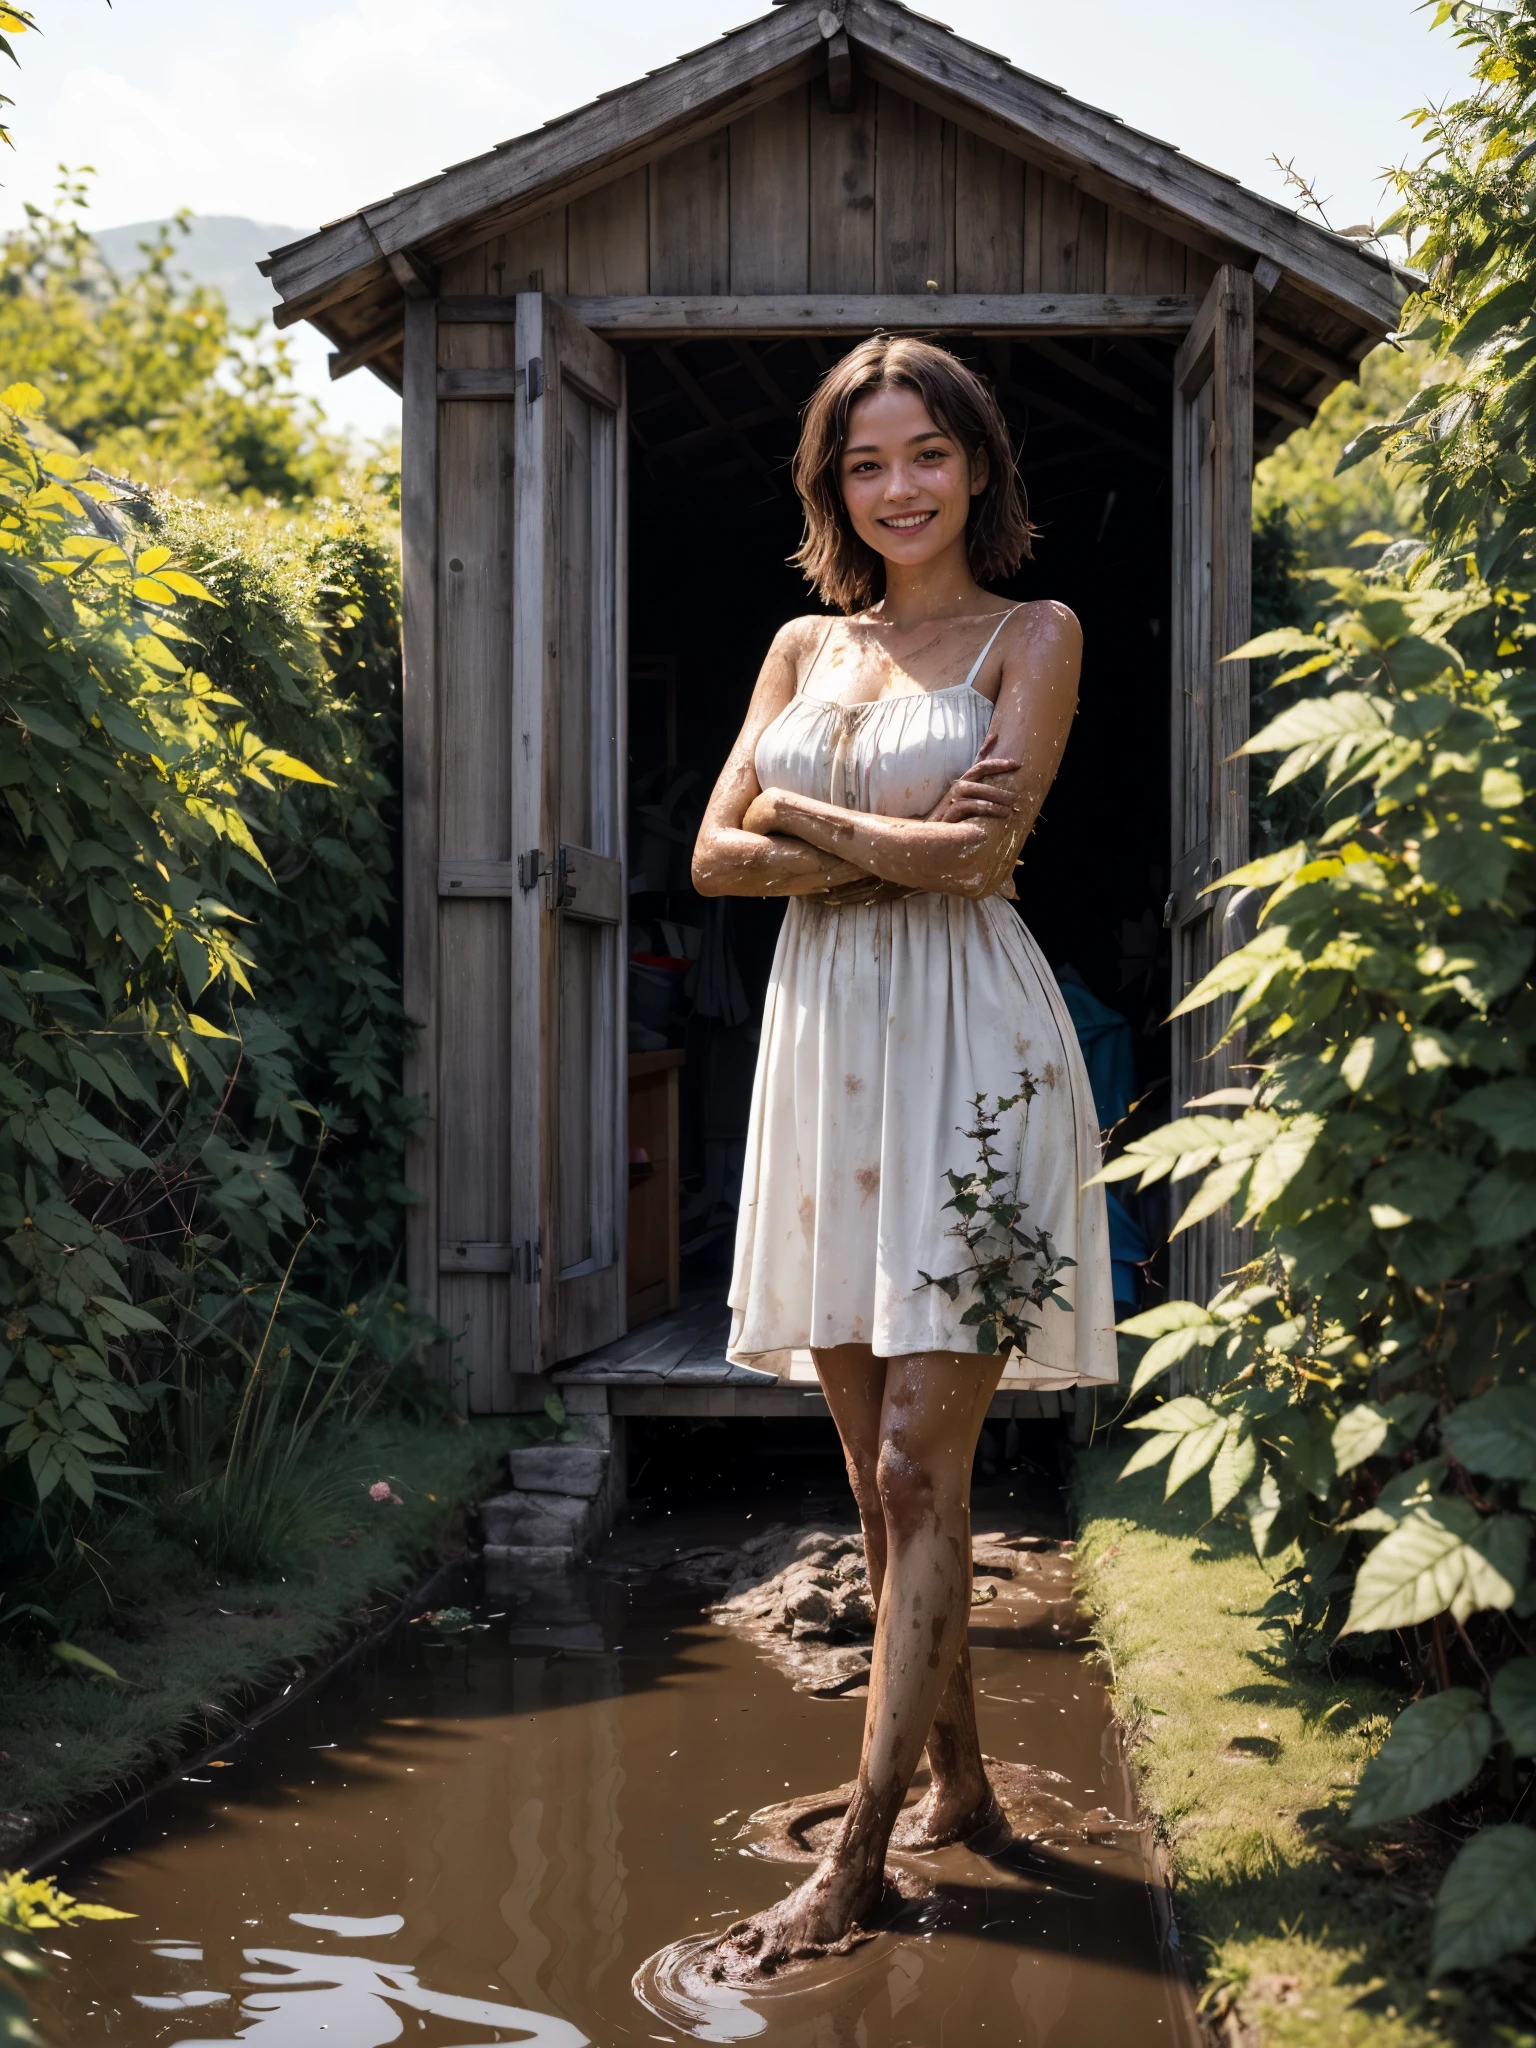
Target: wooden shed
(604, 332)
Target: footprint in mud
(803, 1830)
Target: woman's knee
(916, 1491)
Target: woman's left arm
(976, 855)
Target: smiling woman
(890, 767)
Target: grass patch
(195, 1647)
(1298, 1932)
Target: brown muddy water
(522, 1831)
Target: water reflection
(353, 1999)
(519, 1818)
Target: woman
(890, 766)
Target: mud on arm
(733, 859)
(965, 855)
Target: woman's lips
(908, 522)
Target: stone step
(578, 1469)
(511, 1567)
(539, 1518)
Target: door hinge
(534, 867)
(525, 1260)
(535, 378)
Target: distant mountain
(219, 249)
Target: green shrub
(1366, 1390)
(200, 1029)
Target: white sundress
(882, 1021)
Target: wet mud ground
(525, 1829)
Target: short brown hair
(839, 566)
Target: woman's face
(906, 483)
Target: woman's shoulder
(803, 635)
(1042, 632)
(1048, 615)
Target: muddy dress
(882, 1021)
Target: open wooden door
(568, 1046)
(1212, 606)
(513, 549)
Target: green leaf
(1437, 1746)
(1415, 1186)
(82, 1660)
(1232, 1469)
(1440, 1558)
(1506, 1110)
(293, 768)
(1366, 1427)
(1168, 1350)
(1487, 1903)
(1166, 1316)
(1495, 1434)
(1502, 1205)
(1513, 1699)
(1194, 1452)
(1152, 1452)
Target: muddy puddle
(525, 1829)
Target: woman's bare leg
(931, 1413)
(853, 1380)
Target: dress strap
(976, 665)
(800, 686)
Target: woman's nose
(901, 482)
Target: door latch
(534, 867)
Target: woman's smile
(907, 522)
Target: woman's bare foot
(945, 1814)
(818, 1918)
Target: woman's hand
(762, 814)
(976, 795)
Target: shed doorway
(712, 520)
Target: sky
(299, 111)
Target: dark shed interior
(713, 519)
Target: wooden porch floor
(677, 1365)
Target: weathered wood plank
(418, 708)
(1127, 169)
(464, 1256)
(1073, 231)
(470, 878)
(472, 1118)
(770, 197)
(842, 192)
(827, 313)
(590, 1055)
(1341, 368)
(914, 197)
(524, 1136)
(989, 216)
(1138, 258)
(1213, 415)
(477, 383)
(608, 238)
(690, 218)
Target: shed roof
(352, 277)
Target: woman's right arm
(728, 861)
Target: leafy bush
(1366, 1390)
(189, 1176)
